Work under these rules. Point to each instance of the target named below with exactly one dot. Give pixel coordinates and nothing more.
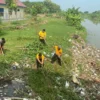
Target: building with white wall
(4, 12)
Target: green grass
(43, 81)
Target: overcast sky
(85, 5)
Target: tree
(41, 7)
(12, 6)
(73, 17)
(53, 8)
(86, 12)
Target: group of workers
(40, 57)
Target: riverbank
(52, 82)
(85, 69)
(86, 58)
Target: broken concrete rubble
(67, 84)
(85, 67)
(85, 59)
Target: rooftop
(18, 2)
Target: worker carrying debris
(2, 42)
(39, 60)
(57, 55)
(42, 36)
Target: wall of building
(20, 13)
(7, 16)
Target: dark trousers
(43, 41)
(1, 49)
(38, 64)
(54, 58)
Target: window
(1, 11)
(18, 9)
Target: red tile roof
(2, 1)
(19, 3)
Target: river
(93, 30)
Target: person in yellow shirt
(57, 55)
(39, 60)
(42, 36)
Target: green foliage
(2, 31)
(86, 12)
(45, 83)
(0, 25)
(49, 15)
(94, 16)
(73, 17)
(51, 6)
(47, 6)
(24, 43)
(15, 22)
(0, 21)
(33, 11)
(62, 13)
(12, 6)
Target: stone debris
(37, 98)
(47, 55)
(15, 88)
(85, 60)
(25, 99)
(67, 84)
(85, 67)
(44, 53)
(7, 98)
(75, 36)
(26, 63)
(75, 80)
(15, 65)
(15, 98)
(52, 54)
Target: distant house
(4, 12)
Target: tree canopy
(73, 17)
(11, 4)
(41, 7)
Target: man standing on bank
(42, 36)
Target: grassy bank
(22, 45)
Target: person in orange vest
(42, 36)
(39, 60)
(57, 55)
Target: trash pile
(15, 88)
(85, 59)
(86, 67)
(88, 91)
